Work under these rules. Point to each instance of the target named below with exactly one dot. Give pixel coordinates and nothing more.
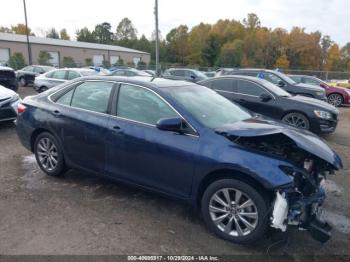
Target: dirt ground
(87, 215)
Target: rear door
(80, 118)
(56, 77)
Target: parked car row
(244, 172)
(265, 98)
(335, 95)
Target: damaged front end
(309, 161)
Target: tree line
(227, 43)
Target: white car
(59, 76)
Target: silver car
(59, 76)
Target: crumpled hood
(305, 140)
(5, 92)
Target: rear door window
(250, 88)
(73, 75)
(225, 85)
(59, 74)
(178, 73)
(272, 78)
(93, 96)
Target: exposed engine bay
(298, 204)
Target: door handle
(116, 127)
(56, 113)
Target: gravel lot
(83, 214)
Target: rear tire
(235, 211)
(22, 81)
(43, 89)
(49, 154)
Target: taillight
(21, 108)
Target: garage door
(55, 59)
(4, 55)
(113, 59)
(98, 60)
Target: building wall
(78, 54)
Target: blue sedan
(245, 173)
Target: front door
(143, 154)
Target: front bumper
(324, 126)
(291, 208)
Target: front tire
(235, 211)
(49, 154)
(297, 120)
(335, 100)
(43, 89)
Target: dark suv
(8, 78)
(284, 82)
(190, 75)
(27, 74)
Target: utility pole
(27, 33)
(157, 38)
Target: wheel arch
(229, 174)
(35, 134)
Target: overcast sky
(331, 17)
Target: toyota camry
(243, 172)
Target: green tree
(64, 35)
(102, 33)
(211, 50)
(252, 22)
(126, 30)
(68, 62)
(16, 61)
(85, 35)
(52, 33)
(231, 54)
(44, 58)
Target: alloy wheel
(23, 81)
(47, 154)
(335, 100)
(296, 120)
(233, 212)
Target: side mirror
(170, 124)
(281, 84)
(265, 97)
(193, 77)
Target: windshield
(206, 106)
(285, 78)
(275, 89)
(140, 73)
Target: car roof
(152, 82)
(252, 78)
